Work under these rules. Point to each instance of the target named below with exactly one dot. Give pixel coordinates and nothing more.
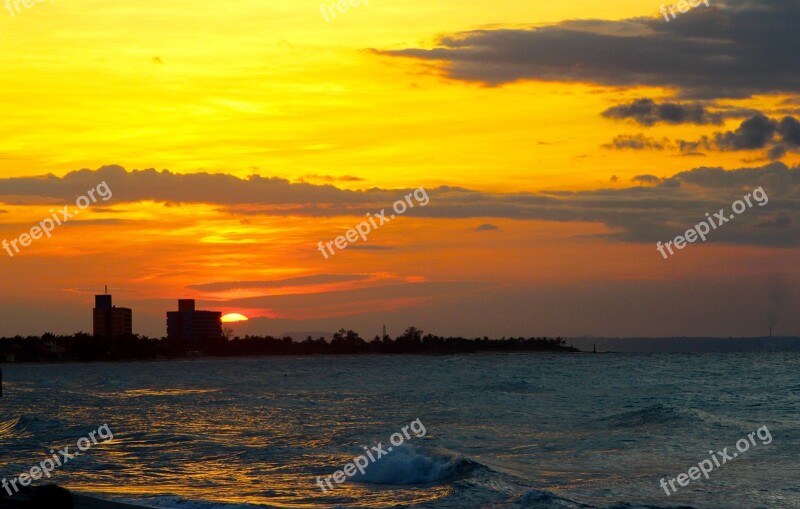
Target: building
(110, 321)
(189, 324)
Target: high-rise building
(187, 323)
(110, 321)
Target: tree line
(85, 347)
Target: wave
(25, 427)
(411, 465)
(663, 415)
(7, 427)
(485, 487)
(474, 484)
(540, 499)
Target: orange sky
(271, 89)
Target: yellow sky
(272, 88)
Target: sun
(234, 317)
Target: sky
(554, 143)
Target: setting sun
(234, 317)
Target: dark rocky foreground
(54, 497)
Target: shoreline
(90, 502)
(53, 496)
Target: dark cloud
(486, 227)
(789, 134)
(735, 48)
(636, 142)
(789, 129)
(643, 213)
(647, 112)
(756, 132)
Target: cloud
(646, 179)
(330, 178)
(354, 301)
(176, 188)
(643, 213)
(756, 132)
(280, 283)
(781, 220)
(636, 142)
(704, 143)
(735, 48)
(789, 130)
(753, 133)
(647, 112)
(485, 227)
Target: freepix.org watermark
(701, 229)
(683, 7)
(360, 463)
(46, 226)
(13, 5)
(45, 467)
(720, 458)
(342, 6)
(364, 228)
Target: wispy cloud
(636, 142)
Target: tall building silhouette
(110, 321)
(187, 323)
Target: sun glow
(234, 317)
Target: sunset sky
(557, 142)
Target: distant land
(85, 347)
(685, 344)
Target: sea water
(501, 430)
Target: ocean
(500, 430)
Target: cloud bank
(645, 212)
